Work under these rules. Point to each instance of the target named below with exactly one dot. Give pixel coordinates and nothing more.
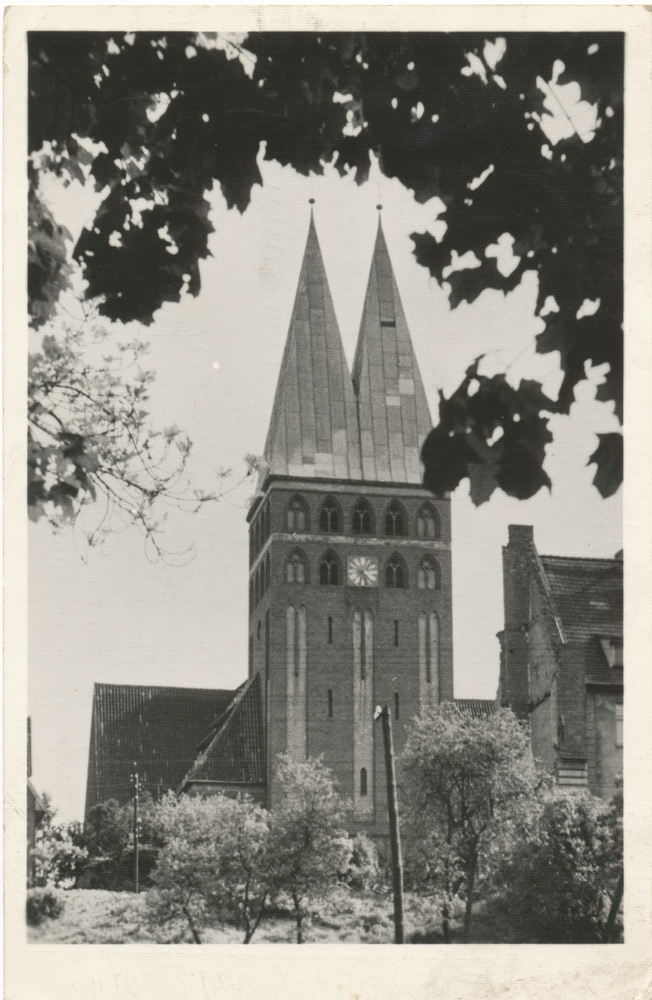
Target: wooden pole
(136, 842)
(394, 831)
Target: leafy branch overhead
(90, 438)
(156, 120)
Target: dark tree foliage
(436, 111)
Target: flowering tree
(213, 867)
(465, 780)
(309, 846)
(59, 853)
(90, 438)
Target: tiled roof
(235, 752)
(475, 707)
(587, 594)
(392, 405)
(158, 728)
(313, 429)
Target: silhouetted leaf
(608, 457)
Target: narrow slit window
(396, 705)
(395, 632)
(330, 703)
(330, 630)
(363, 781)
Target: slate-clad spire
(313, 430)
(392, 406)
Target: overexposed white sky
(111, 616)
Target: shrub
(558, 882)
(363, 869)
(59, 853)
(43, 904)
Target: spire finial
(379, 207)
(311, 201)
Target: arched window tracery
(362, 521)
(395, 573)
(330, 574)
(330, 517)
(429, 574)
(428, 522)
(296, 568)
(395, 520)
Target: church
(350, 596)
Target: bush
(363, 869)
(559, 882)
(43, 904)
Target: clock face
(362, 571)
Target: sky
(110, 615)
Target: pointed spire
(313, 429)
(392, 406)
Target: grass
(98, 916)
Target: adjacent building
(561, 662)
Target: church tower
(350, 601)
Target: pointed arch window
(296, 568)
(429, 574)
(395, 520)
(362, 521)
(330, 574)
(428, 522)
(296, 515)
(330, 518)
(395, 573)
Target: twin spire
(328, 425)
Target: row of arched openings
(394, 519)
(330, 572)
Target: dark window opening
(396, 706)
(329, 570)
(363, 781)
(330, 630)
(330, 703)
(268, 638)
(329, 518)
(395, 632)
(259, 628)
(362, 521)
(395, 520)
(395, 575)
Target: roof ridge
(167, 687)
(611, 559)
